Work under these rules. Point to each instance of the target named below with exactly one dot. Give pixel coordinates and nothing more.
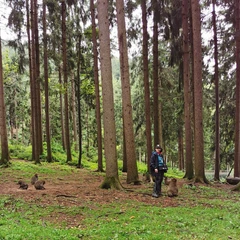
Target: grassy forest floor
(73, 202)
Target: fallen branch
(63, 195)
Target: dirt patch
(82, 186)
(85, 186)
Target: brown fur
(23, 185)
(172, 190)
(39, 185)
(34, 179)
(166, 181)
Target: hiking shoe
(155, 195)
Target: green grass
(28, 169)
(202, 213)
(20, 220)
(144, 222)
(126, 220)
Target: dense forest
(156, 71)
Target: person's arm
(155, 163)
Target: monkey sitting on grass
(23, 185)
(172, 190)
(39, 185)
(34, 179)
(166, 181)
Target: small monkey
(34, 179)
(166, 181)
(39, 185)
(172, 190)
(23, 185)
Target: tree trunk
(38, 93)
(96, 85)
(237, 111)
(74, 114)
(132, 171)
(12, 116)
(187, 92)
(65, 77)
(62, 109)
(30, 72)
(146, 82)
(111, 180)
(217, 133)
(180, 149)
(155, 74)
(47, 124)
(3, 126)
(124, 167)
(160, 130)
(78, 90)
(198, 94)
(35, 123)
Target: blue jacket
(155, 162)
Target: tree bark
(78, 87)
(132, 171)
(62, 109)
(74, 121)
(96, 85)
(37, 68)
(65, 77)
(111, 179)
(146, 82)
(3, 127)
(124, 167)
(216, 80)
(237, 110)
(198, 93)
(187, 91)
(180, 149)
(30, 69)
(155, 74)
(47, 124)
(35, 123)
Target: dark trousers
(158, 182)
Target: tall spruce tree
(111, 179)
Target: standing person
(157, 161)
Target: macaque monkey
(172, 190)
(39, 185)
(166, 181)
(34, 179)
(23, 185)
